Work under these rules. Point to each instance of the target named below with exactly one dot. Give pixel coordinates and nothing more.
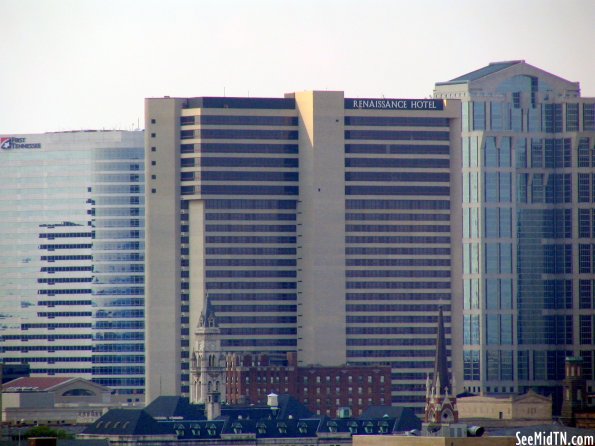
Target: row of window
(397, 273)
(399, 149)
(398, 190)
(250, 273)
(397, 204)
(209, 216)
(239, 148)
(433, 297)
(250, 262)
(394, 135)
(214, 297)
(396, 228)
(239, 176)
(391, 307)
(396, 239)
(397, 251)
(250, 228)
(249, 285)
(403, 163)
(397, 285)
(397, 262)
(540, 117)
(206, 133)
(239, 120)
(351, 216)
(239, 162)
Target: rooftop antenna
(224, 92)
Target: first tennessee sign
(17, 143)
(394, 104)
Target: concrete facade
(530, 406)
(316, 224)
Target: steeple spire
(207, 316)
(441, 405)
(440, 377)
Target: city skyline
(72, 60)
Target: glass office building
(315, 223)
(72, 256)
(528, 160)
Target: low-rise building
(56, 400)
(324, 390)
(530, 406)
(175, 421)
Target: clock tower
(208, 364)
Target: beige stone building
(530, 406)
(316, 223)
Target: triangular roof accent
(493, 67)
(516, 67)
(531, 395)
(45, 383)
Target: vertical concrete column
(162, 264)
(321, 230)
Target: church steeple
(208, 362)
(441, 404)
(441, 379)
(207, 315)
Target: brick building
(322, 389)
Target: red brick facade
(322, 389)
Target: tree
(46, 431)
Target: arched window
(78, 392)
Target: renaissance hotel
(314, 223)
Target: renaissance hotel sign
(394, 104)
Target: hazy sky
(88, 64)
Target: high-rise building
(315, 223)
(72, 256)
(528, 159)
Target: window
(153, 121)
(479, 115)
(589, 116)
(516, 99)
(153, 135)
(153, 149)
(571, 117)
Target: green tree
(46, 431)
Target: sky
(89, 64)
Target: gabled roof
(177, 407)
(273, 428)
(48, 384)
(35, 384)
(195, 430)
(485, 71)
(405, 418)
(126, 422)
(353, 426)
(171, 407)
(531, 395)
